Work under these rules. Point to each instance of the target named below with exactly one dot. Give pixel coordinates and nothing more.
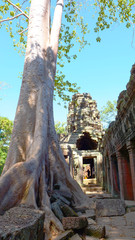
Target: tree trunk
(35, 161)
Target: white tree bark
(35, 161)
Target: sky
(101, 69)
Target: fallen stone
(76, 237)
(65, 194)
(97, 231)
(82, 210)
(68, 211)
(118, 238)
(64, 200)
(21, 223)
(74, 222)
(91, 238)
(65, 235)
(55, 196)
(100, 196)
(92, 203)
(130, 206)
(110, 207)
(130, 209)
(79, 214)
(90, 214)
(57, 211)
(91, 221)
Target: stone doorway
(88, 169)
(126, 174)
(85, 142)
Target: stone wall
(81, 147)
(119, 146)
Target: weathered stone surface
(84, 135)
(110, 207)
(21, 223)
(74, 222)
(95, 231)
(57, 211)
(92, 204)
(130, 206)
(89, 214)
(101, 195)
(119, 145)
(91, 238)
(65, 235)
(76, 237)
(68, 211)
(65, 194)
(130, 219)
(91, 221)
(112, 221)
(119, 238)
(82, 210)
(56, 196)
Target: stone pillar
(99, 170)
(111, 174)
(131, 151)
(108, 174)
(79, 177)
(120, 170)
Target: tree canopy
(6, 127)
(15, 16)
(108, 113)
(60, 128)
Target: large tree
(35, 161)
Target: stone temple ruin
(82, 146)
(119, 146)
(108, 160)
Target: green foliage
(60, 128)
(6, 127)
(108, 113)
(73, 30)
(110, 11)
(63, 86)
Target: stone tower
(82, 146)
(83, 114)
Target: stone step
(92, 188)
(130, 206)
(90, 181)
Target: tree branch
(18, 9)
(23, 31)
(12, 18)
(56, 26)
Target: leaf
(12, 13)
(18, 5)
(98, 39)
